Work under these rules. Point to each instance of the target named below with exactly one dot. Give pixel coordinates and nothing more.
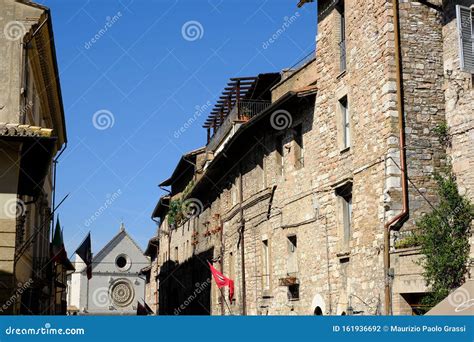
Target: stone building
(309, 186)
(32, 133)
(116, 285)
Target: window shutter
(466, 38)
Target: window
(292, 262)
(279, 154)
(294, 292)
(176, 254)
(345, 116)
(342, 34)
(345, 196)
(298, 138)
(465, 22)
(121, 262)
(265, 265)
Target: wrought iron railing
(249, 109)
(241, 112)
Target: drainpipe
(404, 213)
(242, 245)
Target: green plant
(444, 240)
(442, 131)
(412, 240)
(175, 212)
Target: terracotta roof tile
(18, 130)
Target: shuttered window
(465, 21)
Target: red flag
(222, 281)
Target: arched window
(318, 311)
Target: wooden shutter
(466, 38)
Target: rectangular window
(342, 35)
(465, 23)
(294, 292)
(176, 254)
(279, 154)
(266, 265)
(345, 195)
(292, 261)
(298, 138)
(345, 116)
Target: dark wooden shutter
(466, 38)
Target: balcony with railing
(242, 99)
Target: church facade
(116, 286)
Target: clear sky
(133, 72)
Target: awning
(459, 303)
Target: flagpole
(223, 298)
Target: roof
(145, 270)
(453, 305)
(302, 2)
(122, 232)
(161, 207)
(36, 153)
(18, 130)
(183, 165)
(153, 243)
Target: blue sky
(130, 89)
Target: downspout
(242, 245)
(222, 263)
(400, 109)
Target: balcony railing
(243, 111)
(249, 109)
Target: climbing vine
(444, 239)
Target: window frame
(462, 39)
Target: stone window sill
(345, 149)
(341, 75)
